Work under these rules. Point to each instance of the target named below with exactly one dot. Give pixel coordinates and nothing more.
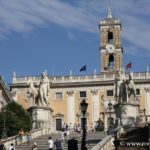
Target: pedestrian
(34, 147)
(2, 147)
(62, 135)
(21, 134)
(11, 147)
(73, 144)
(51, 143)
(28, 135)
(58, 145)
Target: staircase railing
(16, 141)
(105, 144)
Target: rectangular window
(82, 94)
(137, 91)
(59, 95)
(109, 92)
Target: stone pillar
(95, 105)
(70, 107)
(147, 102)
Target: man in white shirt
(51, 143)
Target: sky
(63, 35)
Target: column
(147, 101)
(70, 107)
(95, 105)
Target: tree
(16, 118)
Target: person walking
(58, 145)
(51, 143)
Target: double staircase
(42, 142)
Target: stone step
(92, 139)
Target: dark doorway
(58, 124)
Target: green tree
(16, 118)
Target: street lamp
(84, 106)
(4, 135)
(35, 115)
(110, 107)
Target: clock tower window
(111, 61)
(110, 37)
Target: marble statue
(126, 89)
(44, 88)
(131, 88)
(123, 94)
(40, 94)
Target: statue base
(127, 113)
(41, 118)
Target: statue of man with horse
(39, 92)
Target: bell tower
(110, 44)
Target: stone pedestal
(42, 118)
(128, 113)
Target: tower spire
(109, 11)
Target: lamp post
(4, 135)
(84, 106)
(35, 115)
(110, 119)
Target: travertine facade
(66, 92)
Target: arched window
(111, 61)
(110, 37)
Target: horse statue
(33, 93)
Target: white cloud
(26, 15)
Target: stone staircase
(92, 139)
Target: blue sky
(63, 35)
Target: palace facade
(67, 92)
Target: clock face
(110, 48)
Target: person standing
(28, 135)
(51, 143)
(21, 134)
(62, 135)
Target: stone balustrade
(72, 78)
(16, 141)
(105, 144)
